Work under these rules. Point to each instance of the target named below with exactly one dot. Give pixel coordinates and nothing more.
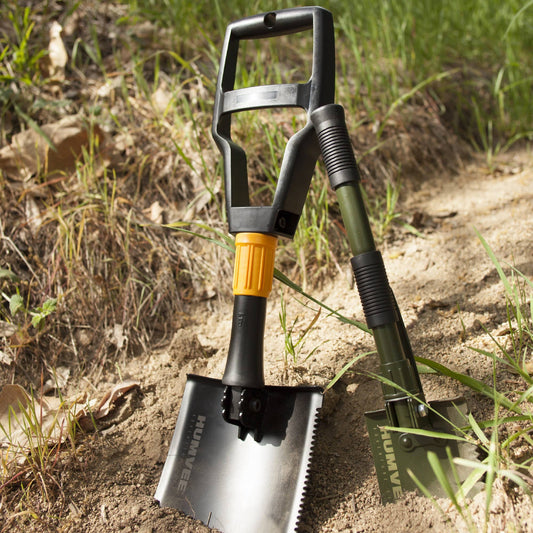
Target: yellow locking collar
(254, 264)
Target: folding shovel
(241, 450)
(396, 453)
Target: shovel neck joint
(245, 408)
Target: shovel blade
(240, 485)
(393, 460)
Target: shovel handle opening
(301, 152)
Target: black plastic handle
(301, 153)
(274, 23)
(244, 367)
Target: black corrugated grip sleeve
(374, 289)
(335, 145)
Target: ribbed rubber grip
(374, 289)
(335, 145)
(254, 264)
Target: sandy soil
(448, 291)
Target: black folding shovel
(428, 426)
(241, 450)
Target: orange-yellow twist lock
(254, 264)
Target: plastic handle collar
(254, 264)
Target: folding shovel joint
(407, 412)
(245, 408)
(410, 442)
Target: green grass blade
(515, 477)
(472, 383)
(485, 424)
(35, 127)
(442, 478)
(346, 367)
(477, 430)
(227, 243)
(286, 281)
(428, 433)
(409, 94)
(222, 240)
(496, 263)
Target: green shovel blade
(396, 454)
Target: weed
(38, 314)
(19, 69)
(25, 322)
(519, 311)
(312, 246)
(293, 347)
(20, 64)
(347, 367)
(31, 437)
(382, 212)
(502, 464)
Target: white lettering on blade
(199, 425)
(392, 466)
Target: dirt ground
(447, 289)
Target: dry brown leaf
(106, 403)
(108, 88)
(12, 397)
(60, 376)
(123, 142)
(13, 400)
(116, 336)
(20, 414)
(32, 212)
(155, 213)
(7, 329)
(29, 153)
(5, 358)
(161, 98)
(26, 422)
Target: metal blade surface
(393, 459)
(240, 485)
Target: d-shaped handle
(301, 153)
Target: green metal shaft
(355, 219)
(397, 362)
(357, 225)
(395, 365)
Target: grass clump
(505, 439)
(88, 236)
(37, 442)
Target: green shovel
(409, 428)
